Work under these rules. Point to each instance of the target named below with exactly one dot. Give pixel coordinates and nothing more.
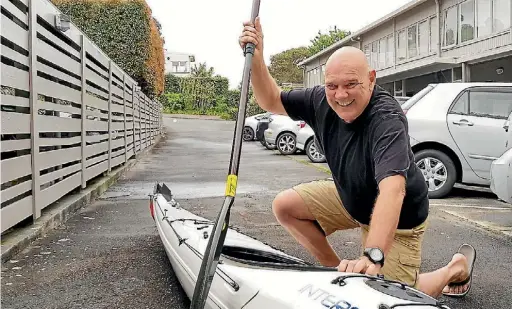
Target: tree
(283, 66)
(202, 70)
(322, 41)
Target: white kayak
(253, 275)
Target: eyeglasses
(350, 85)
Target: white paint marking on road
(482, 224)
(472, 206)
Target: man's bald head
(348, 56)
(349, 82)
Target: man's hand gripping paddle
(218, 235)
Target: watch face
(376, 255)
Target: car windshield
(418, 96)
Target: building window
(467, 21)
(450, 26)
(423, 34)
(382, 53)
(434, 35)
(375, 54)
(501, 15)
(401, 45)
(484, 18)
(367, 53)
(412, 43)
(322, 74)
(390, 53)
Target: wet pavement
(109, 255)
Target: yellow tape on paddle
(231, 185)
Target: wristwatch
(375, 255)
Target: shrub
(127, 33)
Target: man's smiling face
(349, 83)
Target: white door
(477, 125)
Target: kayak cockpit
(257, 258)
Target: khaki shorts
(402, 262)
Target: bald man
(376, 185)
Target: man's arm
(386, 213)
(265, 89)
(390, 150)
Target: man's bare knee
(289, 204)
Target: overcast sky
(209, 29)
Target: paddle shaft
(220, 228)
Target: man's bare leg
(293, 214)
(435, 282)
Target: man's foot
(461, 267)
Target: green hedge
(127, 33)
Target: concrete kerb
(58, 213)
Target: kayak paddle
(218, 234)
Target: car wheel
(248, 134)
(438, 171)
(286, 143)
(314, 154)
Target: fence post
(109, 115)
(34, 132)
(124, 117)
(84, 116)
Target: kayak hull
(251, 274)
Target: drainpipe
(394, 43)
(439, 28)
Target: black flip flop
(470, 253)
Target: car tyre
(440, 181)
(314, 154)
(286, 143)
(248, 134)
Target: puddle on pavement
(183, 190)
(199, 144)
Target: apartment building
(431, 41)
(178, 63)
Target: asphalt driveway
(109, 255)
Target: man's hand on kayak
(362, 265)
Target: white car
(282, 133)
(456, 130)
(501, 170)
(251, 124)
(306, 142)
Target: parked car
(251, 124)
(456, 131)
(501, 169)
(282, 132)
(306, 141)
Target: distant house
(431, 41)
(178, 63)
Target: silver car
(501, 170)
(306, 142)
(456, 131)
(282, 133)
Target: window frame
(467, 91)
